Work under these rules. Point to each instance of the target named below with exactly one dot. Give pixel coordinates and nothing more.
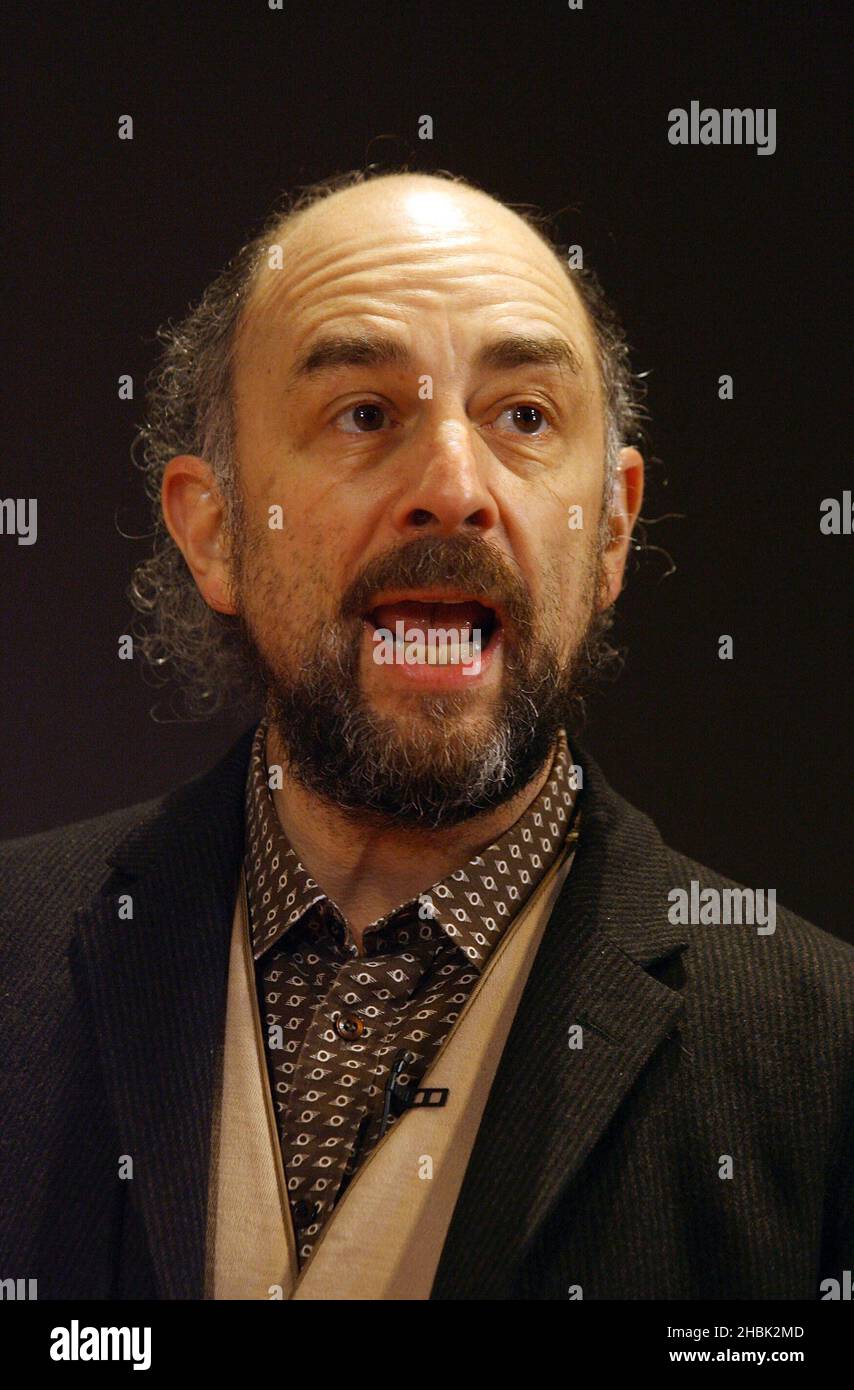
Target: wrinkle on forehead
(406, 243)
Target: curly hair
(190, 410)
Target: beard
(436, 762)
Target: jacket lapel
(157, 986)
(550, 1103)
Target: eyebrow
(370, 350)
(520, 350)
(351, 350)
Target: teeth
(450, 656)
(454, 650)
(431, 647)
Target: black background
(719, 260)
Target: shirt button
(305, 1211)
(349, 1026)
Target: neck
(369, 868)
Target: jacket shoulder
(747, 925)
(759, 981)
(47, 877)
(772, 998)
(60, 869)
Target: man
(401, 1000)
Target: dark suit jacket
(595, 1167)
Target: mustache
(458, 562)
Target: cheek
(273, 588)
(563, 549)
(291, 581)
(569, 580)
(306, 529)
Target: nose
(446, 489)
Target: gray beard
(438, 769)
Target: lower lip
(449, 677)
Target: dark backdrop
(720, 261)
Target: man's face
(418, 405)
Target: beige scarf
(385, 1237)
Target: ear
(195, 516)
(625, 504)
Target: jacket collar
(157, 984)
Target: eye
(526, 419)
(365, 417)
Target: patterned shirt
(335, 1021)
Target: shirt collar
(471, 906)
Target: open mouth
(470, 619)
(433, 636)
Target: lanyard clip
(399, 1098)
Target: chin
(415, 715)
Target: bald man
(401, 1000)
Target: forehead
(430, 262)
